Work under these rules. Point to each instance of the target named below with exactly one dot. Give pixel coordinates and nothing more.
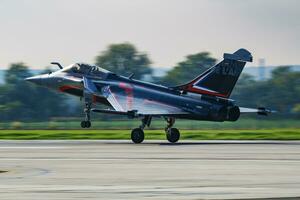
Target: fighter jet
(207, 97)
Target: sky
(38, 32)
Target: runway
(57, 170)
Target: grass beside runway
(260, 122)
(260, 134)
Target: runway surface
(35, 170)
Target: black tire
(137, 135)
(85, 124)
(173, 135)
(82, 124)
(88, 124)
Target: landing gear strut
(172, 134)
(87, 122)
(137, 134)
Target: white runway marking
(148, 159)
(32, 147)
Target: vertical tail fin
(220, 79)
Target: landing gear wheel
(82, 124)
(173, 135)
(88, 124)
(85, 124)
(137, 135)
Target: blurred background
(166, 42)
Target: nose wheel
(85, 124)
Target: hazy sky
(37, 32)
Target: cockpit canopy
(83, 68)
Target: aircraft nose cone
(34, 79)
(41, 80)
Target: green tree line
(23, 101)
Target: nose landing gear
(87, 122)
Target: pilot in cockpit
(87, 69)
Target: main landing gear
(172, 134)
(87, 122)
(137, 134)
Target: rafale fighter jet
(204, 98)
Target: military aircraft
(204, 98)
